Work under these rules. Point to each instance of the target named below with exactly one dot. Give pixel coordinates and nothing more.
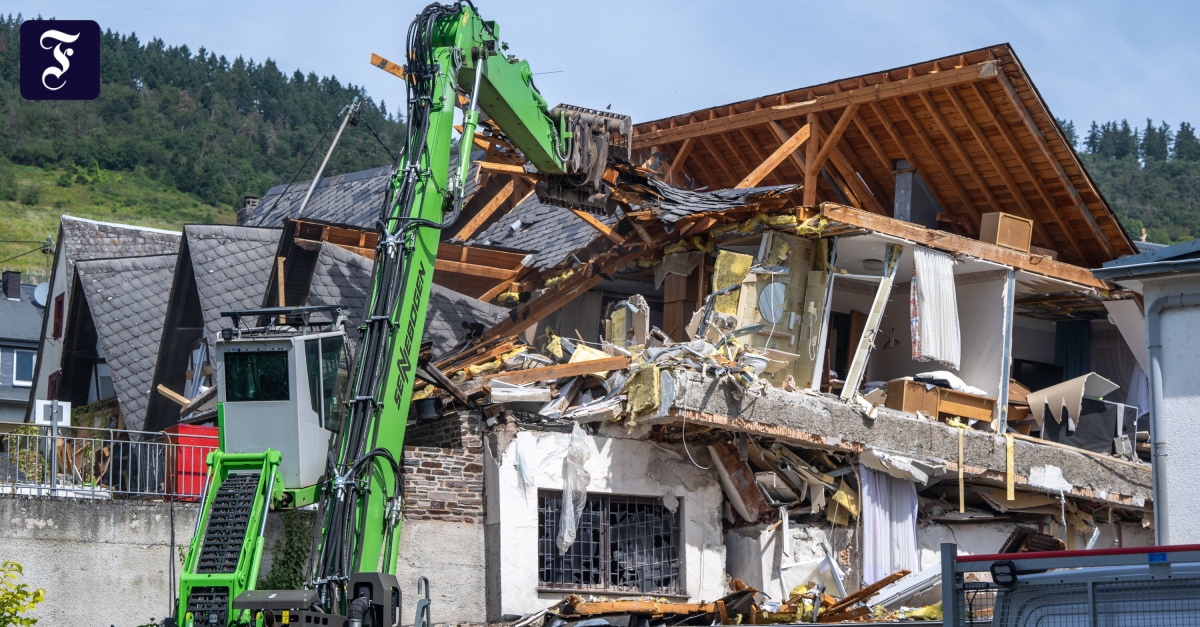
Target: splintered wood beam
(883, 91)
(952, 139)
(810, 156)
(1014, 189)
(550, 301)
(595, 223)
(506, 168)
(559, 371)
(677, 161)
(1076, 199)
(472, 269)
(949, 242)
(968, 206)
(398, 72)
(829, 142)
(485, 214)
(173, 396)
(1027, 167)
(767, 166)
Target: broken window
(624, 544)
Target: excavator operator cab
(280, 384)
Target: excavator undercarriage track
(225, 532)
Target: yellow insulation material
(730, 269)
(584, 352)
(642, 391)
(424, 392)
(555, 280)
(508, 298)
(845, 505)
(812, 226)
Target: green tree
(1187, 147)
(1155, 141)
(17, 599)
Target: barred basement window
(623, 544)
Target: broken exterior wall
(618, 466)
(755, 555)
(825, 423)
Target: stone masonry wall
(443, 470)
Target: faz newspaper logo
(60, 60)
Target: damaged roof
(127, 298)
(343, 278)
(972, 124)
(551, 233)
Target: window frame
(59, 314)
(606, 587)
(22, 383)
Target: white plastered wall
(617, 466)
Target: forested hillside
(197, 121)
(1150, 176)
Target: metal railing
(1143, 587)
(102, 463)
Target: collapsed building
(820, 333)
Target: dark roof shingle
(551, 233)
(128, 302)
(231, 266)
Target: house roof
(972, 124)
(551, 233)
(343, 278)
(22, 319)
(231, 266)
(89, 239)
(127, 298)
(1129, 272)
(353, 199)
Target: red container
(188, 465)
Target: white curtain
(934, 308)
(889, 521)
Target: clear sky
(1097, 59)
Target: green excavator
(302, 423)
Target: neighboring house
(1165, 332)
(112, 334)
(219, 268)
(20, 318)
(80, 240)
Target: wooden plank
(795, 157)
(558, 371)
(876, 148)
(486, 212)
(205, 396)
(637, 606)
(810, 175)
(873, 93)
(1031, 172)
(505, 168)
(529, 313)
(387, 66)
(472, 269)
(940, 240)
(841, 163)
(173, 396)
(771, 162)
(866, 593)
(829, 142)
(1076, 199)
(595, 223)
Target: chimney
(914, 202)
(249, 203)
(12, 285)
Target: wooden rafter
(720, 161)
(829, 142)
(795, 157)
(810, 156)
(771, 162)
(472, 269)
(880, 154)
(486, 212)
(677, 162)
(952, 139)
(884, 91)
(1031, 172)
(855, 173)
(908, 154)
(1014, 189)
(947, 172)
(1040, 139)
(737, 156)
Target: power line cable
(35, 250)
